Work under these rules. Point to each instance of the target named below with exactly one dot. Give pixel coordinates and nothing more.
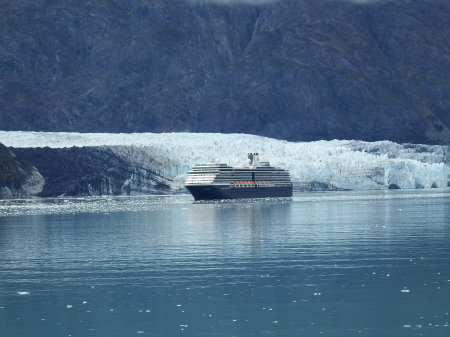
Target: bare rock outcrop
(18, 178)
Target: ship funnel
(254, 159)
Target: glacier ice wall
(339, 164)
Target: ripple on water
(332, 263)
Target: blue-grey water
(323, 264)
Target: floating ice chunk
(23, 293)
(68, 306)
(405, 290)
(140, 331)
(84, 302)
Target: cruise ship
(221, 181)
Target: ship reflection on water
(242, 224)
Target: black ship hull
(217, 192)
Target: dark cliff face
(91, 171)
(294, 69)
(18, 177)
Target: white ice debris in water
(405, 290)
(343, 164)
(22, 293)
(68, 306)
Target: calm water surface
(324, 264)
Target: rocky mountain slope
(288, 69)
(18, 178)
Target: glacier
(332, 165)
